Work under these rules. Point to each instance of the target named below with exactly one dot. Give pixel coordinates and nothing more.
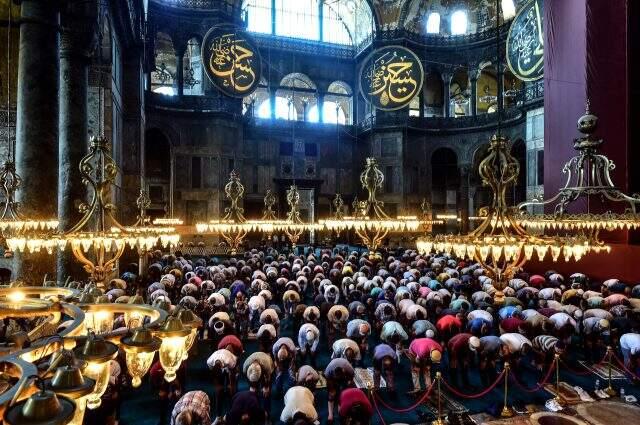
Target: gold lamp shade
(42, 408)
(69, 382)
(173, 348)
(140, 349)
(192, 321)
(96, 353)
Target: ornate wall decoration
(525, 43)
(391, 77)
(231, 60)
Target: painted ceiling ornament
(391, 77)
(231, 60)
(525, 42)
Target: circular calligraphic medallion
(231, 60)
(391, 77)
(525, 42)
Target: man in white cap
(308, 340)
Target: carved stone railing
(205, 104)
(219, 5)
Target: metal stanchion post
(556, 359)
(610, 389)
(506, 410)
(439, 421)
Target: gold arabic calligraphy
(528, 43)
(232, 61)
(391, 79)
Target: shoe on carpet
(584, 396)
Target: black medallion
(231, 60)
(391, 77)
(525, 43)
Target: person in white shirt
(630, 347)
(298, 404)
(347, 349)
(514, 347)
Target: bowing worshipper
(354, 407)
(544, 348)
(347, 349)
(514, 347)
(394, 334)
(461, 349)
(630, 348)
(290, 299)
(489, 351)
(308, 340)
(593, 329)
(359, 330)
(339, 374)
(565, 326)
(299, 407)
(223, 366)
(241, 314)
(385, 361)
(266, 336)
(245, 410)
(311, 315)
(423, 328)
(191, 409)
(337, 318)
(308, 377)
(220, 326)
(257, 304)
(258, 368)
(284, 351)
(423, 353)
(448, 325)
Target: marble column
(446, 77)
(180, 72)
(77, 42)
(464, 171)
(37, 123)
(473, 102)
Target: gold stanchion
(610, 389)
(439, 421)
(506, 410)
(556, 359)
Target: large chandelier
(233, 227)
(98, 230)
(77, 357)
(371, 223)
(500, 244)
(588, 177)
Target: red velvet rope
(471, 396)
(588, 371)
(375, 405)
(622, 365)
(539, 385)
(410, 408)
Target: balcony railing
(481, 121)
(219, 5)
(206, 104)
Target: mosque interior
(319, 211)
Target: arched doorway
(158, 172)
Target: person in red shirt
(448, 326)
(355, 408)
(513, 325)
(423, 352)
(461, 349)
(233, 344)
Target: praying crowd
(370, 313)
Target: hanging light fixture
(370, 222)
(139, 348)
(587, 178)
(173, 348)
(69, 382)
(41, 408)
(96, 353)
(193, 322)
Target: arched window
(433, 23)
(192, 73)
(284, 109)
(251, 103)
(332, 113)
(333, 21)
(508, 9)
(487, 101)
(163, 76)
(459, 22)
